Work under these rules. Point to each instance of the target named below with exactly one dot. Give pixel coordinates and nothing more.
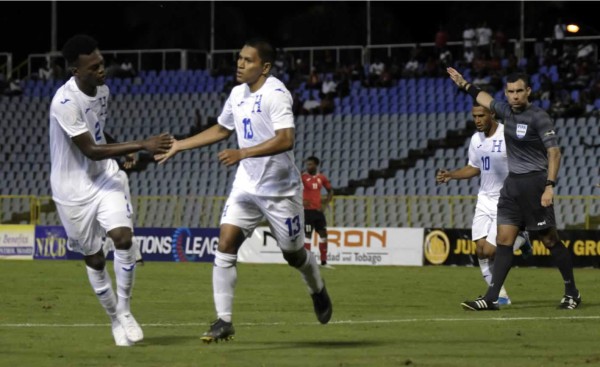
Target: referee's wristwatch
(550, 183)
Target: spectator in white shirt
(484, 37)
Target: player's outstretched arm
(483, 98)
(443, 176)
(209, 136)
(155, 145)
(281, 142)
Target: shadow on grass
(168, 340)
(546, 304)
(323, 344)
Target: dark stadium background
(25, 26)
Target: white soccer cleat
(119, 334)
(133, 331)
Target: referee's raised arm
(483, 98)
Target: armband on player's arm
(472, 90)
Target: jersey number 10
(485, 163)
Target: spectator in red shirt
(441, 40)
(314, 219)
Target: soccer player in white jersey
(91, 193)
(267, 183)
(488, 159)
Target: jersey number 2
(248, 133)
(97, 135)
(293, 225)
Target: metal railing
(344, 211)
(309, 51)
(6, 64)
(184, 59)
(402, 49)
(181, 59)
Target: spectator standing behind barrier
(558, 36)
(127, 70)
(314, 81)
(375, 71)
(469, 37)
(441, 40)
(411, 69)
(540, 36)
(14, 88)
(500, 42)
(328, 87)
(45, 72)
(484, 37)
(469, 56)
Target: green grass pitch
(383, 316)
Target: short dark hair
(80, 44)
(514, 77)
(266, 52)
(313, 159)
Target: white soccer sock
(503, 293)
(102, 286)
(486, 270)
(125, 273)
(519, 241)
(311, 274)
(224, 279)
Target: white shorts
(284, 214)
(87, 224)
(484, 220)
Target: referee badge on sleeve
(521, 130)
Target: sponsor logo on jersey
(521, 130)
(65, 101)
(549, 133)
(436, 247)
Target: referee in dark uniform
(526, 198)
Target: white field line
(340, 322)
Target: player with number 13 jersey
(267, 184)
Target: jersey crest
(521, 130)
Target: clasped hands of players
(158, 144)
(228, 157)
(155, 144)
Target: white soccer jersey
(76, 179)
(255, 117)
(489, 155)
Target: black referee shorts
(520, 202)
(314, 220)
